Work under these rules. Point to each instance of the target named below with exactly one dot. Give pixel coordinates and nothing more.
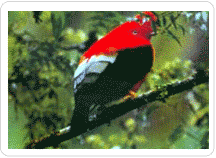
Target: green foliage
(169, 72)
(202, 94)
(192, 139)
(72, 37)
(17, 21)
(192, 133)
(46, 16)
(189, 138)
(104, 21)
(127, 139)
(96, 142)
(176, 134)
(40, 71)
(182, 28)
(174, 37)
(169, 20)
(58, 23)
(12, 54)
(167, 24)
(164, 21)
(172, 18)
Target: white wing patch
(94, 65)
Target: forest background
(44, 50)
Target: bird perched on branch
(114, 67)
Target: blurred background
(44, 49)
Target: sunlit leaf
(174, 37)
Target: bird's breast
(131, 65)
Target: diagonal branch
(120, 109)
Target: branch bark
(120, 109)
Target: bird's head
(129, 35)
(145, 21)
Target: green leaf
(164, 21)
(187, 142)
(97, 18)
(172, 18)
(151, 109)
(183, 29)
(158, 22)
(154, 27)
(58, 23)
(196, 133)
(174, 37)
(205, 141)
(192, 139)
(176, 134)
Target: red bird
(113, 67)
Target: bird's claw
(132, 95)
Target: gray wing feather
(94, 65)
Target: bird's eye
(135, 32)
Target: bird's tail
(80, 115)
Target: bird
(114, 67)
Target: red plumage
(120, 38)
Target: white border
(107, 6)
(93, 6)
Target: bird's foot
(132, 95)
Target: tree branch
(118, 110)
